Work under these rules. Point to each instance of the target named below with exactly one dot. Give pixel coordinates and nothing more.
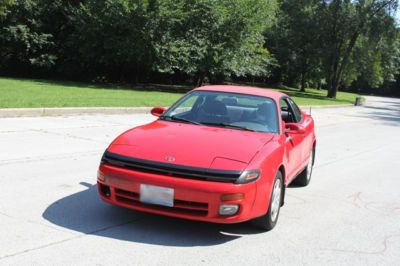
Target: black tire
(269, 220)
(304, 178)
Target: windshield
(223, 109)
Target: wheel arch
(282, 170)
(314, 147)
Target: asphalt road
(50, 213)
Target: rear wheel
(304, 178)
(269, 220)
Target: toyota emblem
(170, 158)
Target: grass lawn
(25, 93)
(318, 97)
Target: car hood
(191, 145)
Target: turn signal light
(101, 176)
(229, 197)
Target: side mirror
(158, 110)
(293, 128)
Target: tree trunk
(216, 79)
(330, 84)
(332, 91)
(200, 79)
(334, 85)
(303, 82)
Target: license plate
(157, 195)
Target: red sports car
(222, 154)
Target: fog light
(105, 190)
(228, 209)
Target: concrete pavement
(50, 212)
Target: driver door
(293, 142)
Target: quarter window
(290, 111)
(296, 110)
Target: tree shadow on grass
(179, 89)
(86, 213)
(110, 86)
(293, 92)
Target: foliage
(110, 37)
(338, 44)
(4, 6)
(214, 38)
(345, 23)
(22, 42)
(295, 40)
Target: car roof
(276, 95)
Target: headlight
(248, 176)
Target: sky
(398, 16)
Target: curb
(35, 112)
(324, 106)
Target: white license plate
(157, 195)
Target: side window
(186, 106)
(296, 110)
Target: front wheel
(269, 220)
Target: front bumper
(193, 199)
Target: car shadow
(85, 212)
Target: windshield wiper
(176, 118)
(228, 126)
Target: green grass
(26, 93)
(313, 96)
(318, 97)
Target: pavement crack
(362, 252)
(32, 222)
(94, 232)
(49, 157)
(68, 136)
(5, 214)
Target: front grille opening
(127, 194)
(105, 190)
(180, 206)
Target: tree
(22, 42)
(295, 41)
(379, 54)
(344, 22)
(4, 6)
(212, 38)
(111, 38)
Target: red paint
(213, 148)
